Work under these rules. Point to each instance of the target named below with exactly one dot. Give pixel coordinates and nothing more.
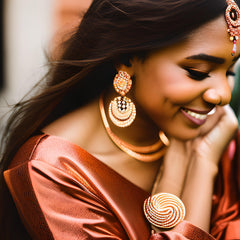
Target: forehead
(210, 39)
(213, 39)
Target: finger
(225, 128)
(212, 120)
(219, 137)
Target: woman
(84, 154)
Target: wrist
(205, 167)
(198, 190)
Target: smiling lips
(195, 116)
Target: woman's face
(177, 87)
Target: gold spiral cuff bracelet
(164, 210)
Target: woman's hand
(216, 134)
(208, 146)
(189, 168)
(207, 150)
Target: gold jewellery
(164, 210)
(122, 110)
(142, 153)
(232, 16)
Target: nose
(219, 93)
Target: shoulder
(83, 127)
(50, 149)
(77, 126)
(52, 159)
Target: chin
(183, 135)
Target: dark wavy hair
(111, 31)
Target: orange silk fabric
(63, 192)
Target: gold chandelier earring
(122, 110)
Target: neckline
(62, 139)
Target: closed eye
(196, 74)
(230, 73)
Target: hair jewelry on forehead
(232, 15)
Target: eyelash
(196, 75)
(230, 73)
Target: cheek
(153, 94)
(149, 88)
(182, 92)
(178, 88)
(231, 81)
(170, 86)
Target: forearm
(172, 176)
(197, 192)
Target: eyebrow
(236, 58)
(208, 58)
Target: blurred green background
(235, 101)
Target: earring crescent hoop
(122, 110)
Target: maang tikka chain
(232, 16)
(122, 110)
